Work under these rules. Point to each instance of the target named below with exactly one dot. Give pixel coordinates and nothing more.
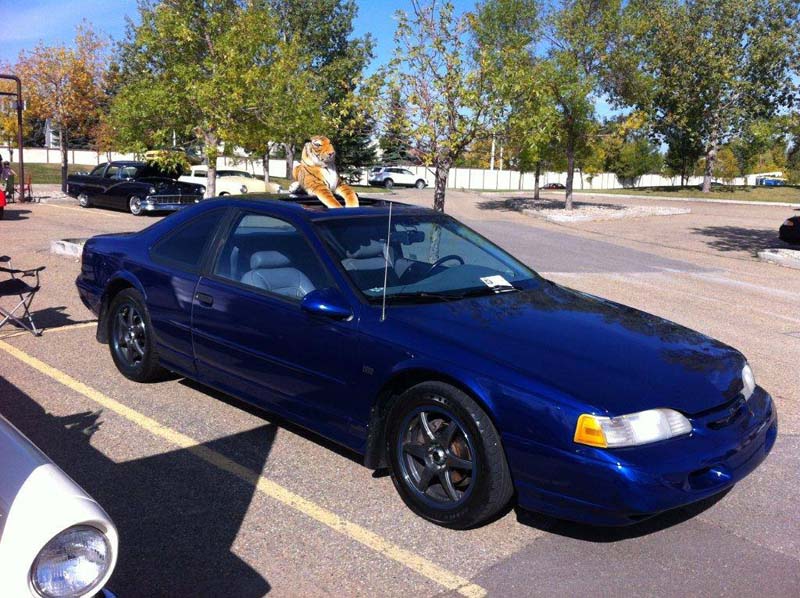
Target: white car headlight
(632, 429)
(748, 381)
(72, 564)
(151, 190)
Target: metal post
(19, 132)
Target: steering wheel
(443, 260)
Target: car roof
(309, 207)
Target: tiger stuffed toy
(316, 174)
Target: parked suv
(389, 176)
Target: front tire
(84, 201)
(131, 341)
(135, 206)
(388, 183)
(420, 184)
(448, 464)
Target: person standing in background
(7, 178)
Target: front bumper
(171, 204)
(624, 486)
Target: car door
(252, 339)
(169, 284)
(107, 183)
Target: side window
(202, 173)
(184, 247)
(98, 170)
(112, 171)
(272, 255)
(408, 172)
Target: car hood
(617, 358)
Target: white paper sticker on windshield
(496, 282)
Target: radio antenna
(386, 261)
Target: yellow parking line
(360, 534)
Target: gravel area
(586, 212)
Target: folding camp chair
(15, 286)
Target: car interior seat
(271, 271)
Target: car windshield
(430, 258)
(223, 173)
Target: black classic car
(135, 186)
(790, 230)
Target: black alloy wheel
(131, 338)
(447, 461)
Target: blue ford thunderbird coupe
(409, 338)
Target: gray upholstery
(366, 257)
(268, 259)
(269, 272)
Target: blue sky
(26, 22)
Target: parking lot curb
(782, 257)
(68, 247)
(737, 202)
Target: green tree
(706, 67)
(726, 166)
(336, 62)
(633, 159)
(451, 101)
(394, 142)
(178, 73)
(683, 152)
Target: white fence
(458, 178)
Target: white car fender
(37, 502)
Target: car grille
(163, 199)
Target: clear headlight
(748, 381)
(632, 429)
(151, 190)
(71, 564)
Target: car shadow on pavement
(177, 515)
(738, 238)
(600, 534)
(518, 204)
(275, 420)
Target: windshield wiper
(437, 296)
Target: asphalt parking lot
(214, 498)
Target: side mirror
(327, 302)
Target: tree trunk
(442, 170)
(64, 142)
(570, 172)
(289, 149)
(265, 166)
(536, 174)
(211, 150)
(711, 157)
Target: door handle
(206, 300)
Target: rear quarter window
(185, 247)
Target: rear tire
(447, 462)
(130, 336)
(420, 184)
(388, 183)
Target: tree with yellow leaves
(64, 84)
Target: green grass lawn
(789, 194)
(48, 174)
